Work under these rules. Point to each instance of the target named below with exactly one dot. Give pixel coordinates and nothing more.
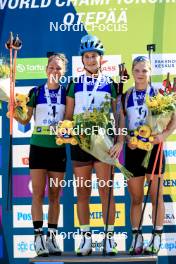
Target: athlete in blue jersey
(86, 93)
(46, 159)
(136, 111)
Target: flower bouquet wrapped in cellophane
(160, 110)
(92, 137)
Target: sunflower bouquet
(91, 134)
(161, 108)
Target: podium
(70, 257)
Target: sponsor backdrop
(125, 28)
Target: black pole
(150, 48)
(156, 207)
(107, 212)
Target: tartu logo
(21, 68)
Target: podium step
(70, 257)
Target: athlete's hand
(158, 139)
(131, 146)
(116, 149)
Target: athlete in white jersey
(46, 159)
(85, 94)
(136, 112)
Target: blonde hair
(59, 56)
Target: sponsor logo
(1, 247)
(24, 246)
(168, 244)
(170, 152)
(96, 216)
(161, 63)
(20, 130)
(25, 161)
(25, 181)
(22, 159)
(97, 241)
(170, 214)
(119, 184)
(169, 183)
(0, 186)
(31, 68)
(109, 65)
(22, 216)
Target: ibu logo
(24, 128)
(24, 246)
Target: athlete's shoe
(85, 247)
(137, 243)
(154, 244)
(52, 245)
(40, 246)
(111, 249)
